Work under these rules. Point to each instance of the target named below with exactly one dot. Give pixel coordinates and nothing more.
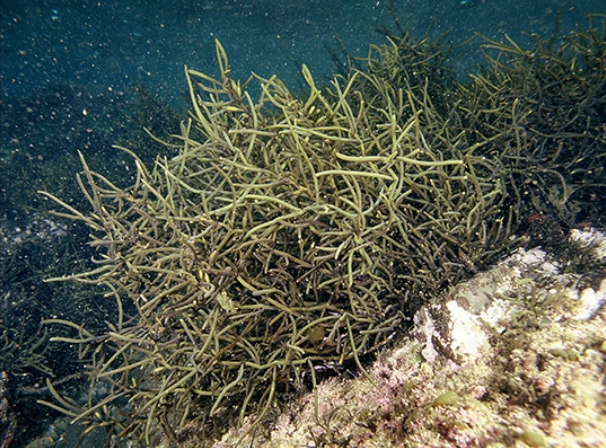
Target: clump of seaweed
(542, 112)
(291, 235)
(288, 235)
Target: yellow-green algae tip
(534, 439)
(449, 398)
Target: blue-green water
(101, 46)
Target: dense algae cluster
(295, 235)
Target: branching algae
(292, 234)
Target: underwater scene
(312, 223)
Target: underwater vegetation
(543, 113)
(290, 236)
(37, 131)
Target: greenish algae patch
(513, 392)
(294, 236)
